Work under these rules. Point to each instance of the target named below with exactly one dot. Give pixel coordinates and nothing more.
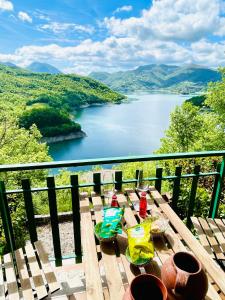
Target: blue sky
(97, 35)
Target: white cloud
(170, 32)
(61, 27)
(23, 16)
(187, 20)
(114, 54)
(124, 8)
(6, 5)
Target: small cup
(146, 287)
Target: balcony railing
(75, 186)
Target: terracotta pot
(146, 287)
(184, 274)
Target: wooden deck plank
(218, 234)
(212, 240)
(2, 287)
(112, 271)
(202, 237)
(13, 292)
(46, 267)
(221, 225)
(24, 276)
(212, 268)
(92, 273)
(35, 272)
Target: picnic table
(107, 270)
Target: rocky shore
(60, 138)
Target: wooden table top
(107, 271)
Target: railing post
(54, 220)
(214, 190)
(158, 182)
(139, 178)
(219, 188)
(193, 195)
(118, 180)
(76, 215)
(176, 188)
(97, 183)
(6, 219)
(29, 209)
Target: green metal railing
(26, 191)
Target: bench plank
(35, 272)
(113, 276)
(13, 292)
(46, 267)
(24, 276)
(202, 237)
(93, 279)
(213, 242)
(218, 234)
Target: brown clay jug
(146, 287)
(184, 274)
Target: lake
(132, 128)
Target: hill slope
(35, 95)
(182, 79)
(43, 68)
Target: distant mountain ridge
(183, 79)
(39, 67)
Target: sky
(83, 36)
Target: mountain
(49, 100)
(9, 64)
(39, 67)
(183, 79)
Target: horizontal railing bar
(64, 187)
(107, 160)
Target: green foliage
(185, 124)
(61, 93)
(197, 100)
(45, 117)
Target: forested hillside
(38, 97)
(182, 79)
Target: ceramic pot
(146, 287)
(184, 274)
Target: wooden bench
(29, 277)
(211, 234)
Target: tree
(184, 129)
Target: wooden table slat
(93, 279)
(113, 275)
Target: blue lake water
(131, 128)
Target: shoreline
(61, 138)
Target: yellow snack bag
(139, 243)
